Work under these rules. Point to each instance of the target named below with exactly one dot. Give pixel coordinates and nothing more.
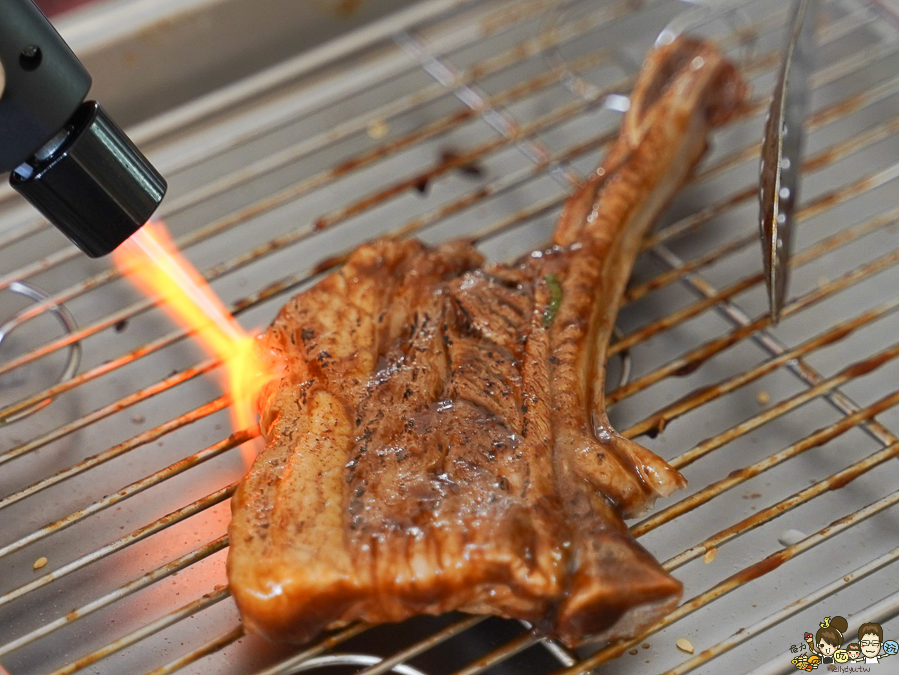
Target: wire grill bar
(437, 57)
(141, 582)
(137, 441)
(316, 649)
(782, 615)
(802, 370)
(845, 193)
(508, 650)
(152, 627)
(656, 422)
(700, 354)
(106, 411)
(818, 161)
(128, 491)
(209, 648)
(440, 636)
(141, 533)
(742, 475)
(838, 479)
(703, 353)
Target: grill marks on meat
(439, 439)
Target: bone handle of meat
(685, 89)
(691, 90)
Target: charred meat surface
(438, 440)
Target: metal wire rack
(462, 118)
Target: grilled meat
(439, 441)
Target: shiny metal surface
(782, 144)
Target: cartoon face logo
(891, 647)
(841, 656)
(826, 648)
(870, 644)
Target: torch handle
(44, 82)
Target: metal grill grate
(459, 118)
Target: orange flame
(151, 261)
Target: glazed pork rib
(438, 438)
